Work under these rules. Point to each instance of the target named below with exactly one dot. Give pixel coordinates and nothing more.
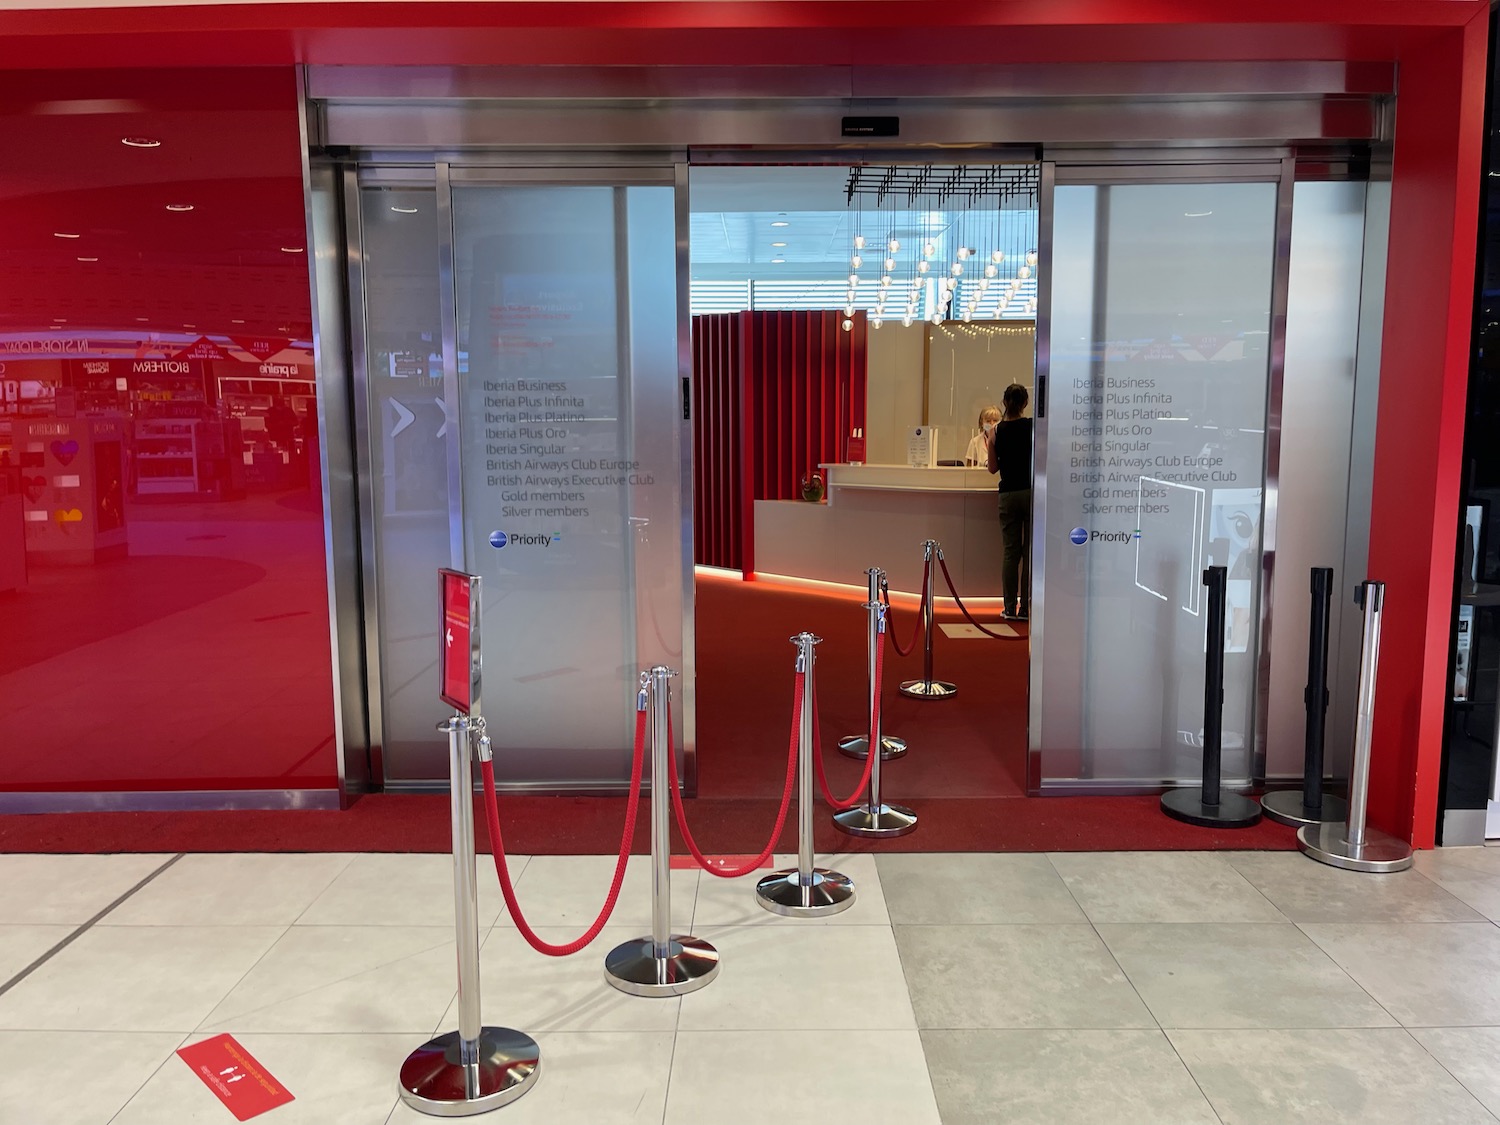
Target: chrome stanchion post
(927, 687)
(1310, 804)
(876, 818)
(1208, 805)
(1354, 845)
(662, 963)
(476, 1068)
(805, 891)
(858, 745)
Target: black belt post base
(1209, 806)
(1310, 804)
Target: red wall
(1420, 428)
(778, 394)
(170, 630)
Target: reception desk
(879, 515)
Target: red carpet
(964, 775)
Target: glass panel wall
(163, 581)
(408, 462)
(570, 416)
(1153, 469)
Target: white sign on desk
(921, 447)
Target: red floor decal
(240, 1082)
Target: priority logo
(499, 539)
(1080, 536)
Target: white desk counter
(879, 515)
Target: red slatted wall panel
(775, 395)
(717, 484)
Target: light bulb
(859, 242)
(968, 314)
(990, 271)
(1031, 257)
(849, 297)
(957, 270)
(950, 284)
(890, 264)
(997, 256)
(1024, 272)
(885, 281)
(984, 283)
(895, 245)
(875, 322)
(854, 279)
(928, 249)
(963, 253)
(906, 321)
(937, 318)
(923, 267)
(856, 261)
(848, 310)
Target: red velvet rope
(786, 796)
(948, 578)
(497, 844)
(854, 798)
(916, 634)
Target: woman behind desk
(1010, 456)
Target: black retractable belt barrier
(1208, 806)
(1310, 805)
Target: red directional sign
(460, 597)
(244, 1086)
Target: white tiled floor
(1143, 989)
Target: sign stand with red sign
(476, 1068)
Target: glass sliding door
(547, 462)
(1150, 467)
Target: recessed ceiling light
(404, 210)
(291, 249)
(179, 206)
(59, 320)
(143, 319)
(778, 244)
(64, 234)
(777, 261)
(190, 326)
(781, 223)
(237, 322)
(88, 259)
(140, 142)
(1196, 214)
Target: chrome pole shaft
(465, 898)
(874, 639)
(1359, 776)
(806, 658)
(928, 585)
(661, 815)
(1355, 846)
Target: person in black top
(1010, 456)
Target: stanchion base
(432, 1077)
(635, 969)
(782, 892)
(1380, 854)
(858, 746)
(1232, 811)
(1285, 807)
(928, 689)
(885, 821)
